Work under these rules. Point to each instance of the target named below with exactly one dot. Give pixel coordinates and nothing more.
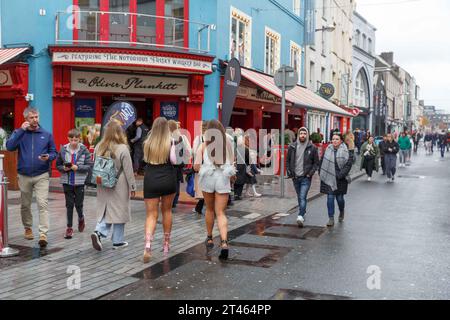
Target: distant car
(378, 139)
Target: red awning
(10, 53)
(299, 96)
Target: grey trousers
(390, 161)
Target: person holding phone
(36, 152)
(74, 162)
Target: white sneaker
(300, 221)
(369, 179)
(258, 195)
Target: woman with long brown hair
(214, 161)
(113, 204)
(160, 183)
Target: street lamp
(327, 28)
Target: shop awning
(299, 96)
(11, 53)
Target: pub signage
(128, 83)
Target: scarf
(328, 169)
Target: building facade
(263, 36)
(363, 72)
(329, 59)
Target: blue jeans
(302, 185)
(330, 203)
(118, 231)
(442, 150)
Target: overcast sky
(418, 32)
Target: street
(400, 228)
(397, 232)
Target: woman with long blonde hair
(113, 204)
(160, 183)
(214, 161)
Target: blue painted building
(263, 35)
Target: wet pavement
(400, 230)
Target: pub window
(89, 21)
(174, 28)
(272, 51)
(146, 26)
(119, 20)
(240, 37)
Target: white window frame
(275, 61)
(247, 20)
(296, 4)
(296, 47)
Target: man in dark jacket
(302, 162)
(36, 151)
(138, 143)
(442, 142)
(390, 150)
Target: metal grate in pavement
(291, 294)
(26, 254)
(411, 176)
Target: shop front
(158, 83)
(258, 106)
(13, 87)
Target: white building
(363, 71)
(329, 60)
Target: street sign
(286, 78)
(286, 75)
(326, 90)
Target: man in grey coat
(302, 162)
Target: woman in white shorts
(216, 170)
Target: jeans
(442, 150)
(138, 156)
(74, 198)
(302, 185)
(383, 165)
(391, 162)
(177, 195)
(330, 203)
(403, 156)
(118, 231)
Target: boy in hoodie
(302, 162)
(74, 162)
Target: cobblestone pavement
(45, 274)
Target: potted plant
(316, 138)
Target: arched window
(361, 90)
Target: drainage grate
(26, 254)
(237, 213)
(291, 294)
(293, 232)
(411, 177)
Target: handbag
(190, 184)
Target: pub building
(13, 86)
(258, 106)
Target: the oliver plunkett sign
(128, 83)
(139, 60)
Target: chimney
(388, 57)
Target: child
(74, 162)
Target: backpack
(104, 172)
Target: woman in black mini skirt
(160, 183)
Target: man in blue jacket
(36, 151)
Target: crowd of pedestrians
(224, 162)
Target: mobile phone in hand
(68, 164)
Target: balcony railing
(131, 29)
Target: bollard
(5, 251)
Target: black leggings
(74, 198)
(369, 163)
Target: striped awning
(10, 53)
(299, 96)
